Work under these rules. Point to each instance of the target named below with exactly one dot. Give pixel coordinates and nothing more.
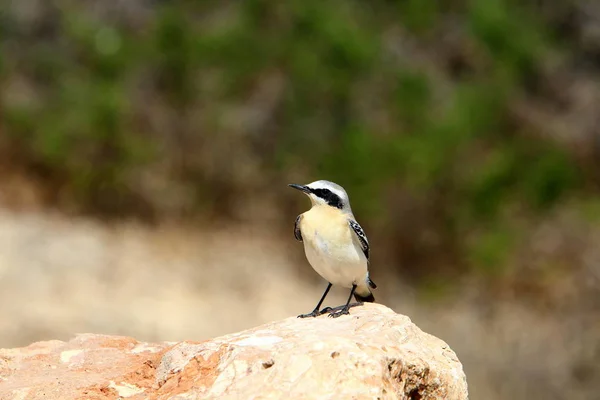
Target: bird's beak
(302, 188)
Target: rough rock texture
(372, 353)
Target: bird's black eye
(331, 198)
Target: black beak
(302, 188)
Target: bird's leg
(315, 312)
(346, 308)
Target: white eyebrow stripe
(339, 194)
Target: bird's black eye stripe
(331, 198)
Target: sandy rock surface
(372, 353)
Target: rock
(372, 353)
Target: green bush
(364, 94)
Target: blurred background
(146, 147)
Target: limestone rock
(373, 353)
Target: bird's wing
(297, 233)
(362, 237)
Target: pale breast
(326, 230)
(331, 248)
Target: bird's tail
(363, 294)
(369, 298)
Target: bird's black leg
(346, 308)
(315, 312)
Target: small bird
(334, 243)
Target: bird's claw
(336, 314)
(313, 314)
(316, 313)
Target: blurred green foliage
(399, 101)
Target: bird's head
(325, 193)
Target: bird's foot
(336, 314)
(313, 314)
(325, 310)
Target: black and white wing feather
(362, 237)
(297, 233)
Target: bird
(335, 244)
